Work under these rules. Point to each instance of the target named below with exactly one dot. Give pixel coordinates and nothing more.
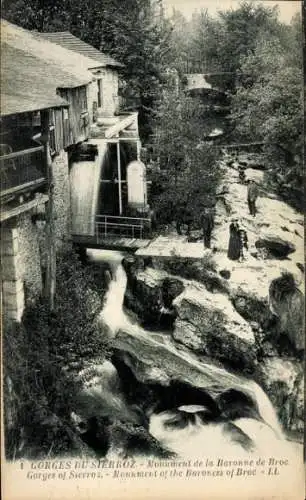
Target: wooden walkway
(131, 244)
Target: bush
(40, 357)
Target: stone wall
(62, 214)
(24, 249)
(29, 255)
(109, 92)
(20, 265)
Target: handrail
(123, 217)
(24, 152)
(116, 224)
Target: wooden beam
(29, 186)
(50, 231)
(241, 145)
(121, 125)
(24, 152)
(25, 207)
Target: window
(83, 99)
(36, 119)
(52, 133)
(99, 82)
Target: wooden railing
(107, 226)
(21, 168)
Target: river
(183, 430)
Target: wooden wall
(78, 114)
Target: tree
(186, 173)
(268, 106)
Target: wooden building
(28, 103)
(105, 71)
(70, 78)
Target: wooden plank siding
(78, 115)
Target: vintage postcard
(152, 250)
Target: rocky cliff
(236, 314)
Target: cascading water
(84, 190)
(195, 438)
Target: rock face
(156, 362)
(226, 310)
(208, 323)
(276, 247)
(287, 303)
(150, 294)
(283, 381)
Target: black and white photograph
(152, 249)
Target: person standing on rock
(207, 222)
(241, 173)
(252, 197)
(233, 252)
(243, 239)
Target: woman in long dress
(233, 252)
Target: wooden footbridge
(113, 232)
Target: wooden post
(138, 144)
(50, 233)
(119, 177)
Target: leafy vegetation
(184, 170)
(258, 61)
(41, 356)
(267, 106)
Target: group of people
(238, 240)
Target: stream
(185, 430)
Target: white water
(84, 191)
(195, 439)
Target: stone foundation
(62, 215)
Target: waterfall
(84, 190)
(113, 314)
(194, 438)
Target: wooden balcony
(22, 170)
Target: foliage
(268, 107)
(41, 353)
(217, 44)
(181, 160)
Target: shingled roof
(27, 83)
(68, 41)
(72, 69)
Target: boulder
(144, 295)
(150, 292)
(287, 303)
(276, 246)
(282, 379)
(251, 307)
(225, 273)
(208, 323)
(202, 270)
(171, 288)
(156, 362)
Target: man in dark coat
(207, 221)
(252, 197)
